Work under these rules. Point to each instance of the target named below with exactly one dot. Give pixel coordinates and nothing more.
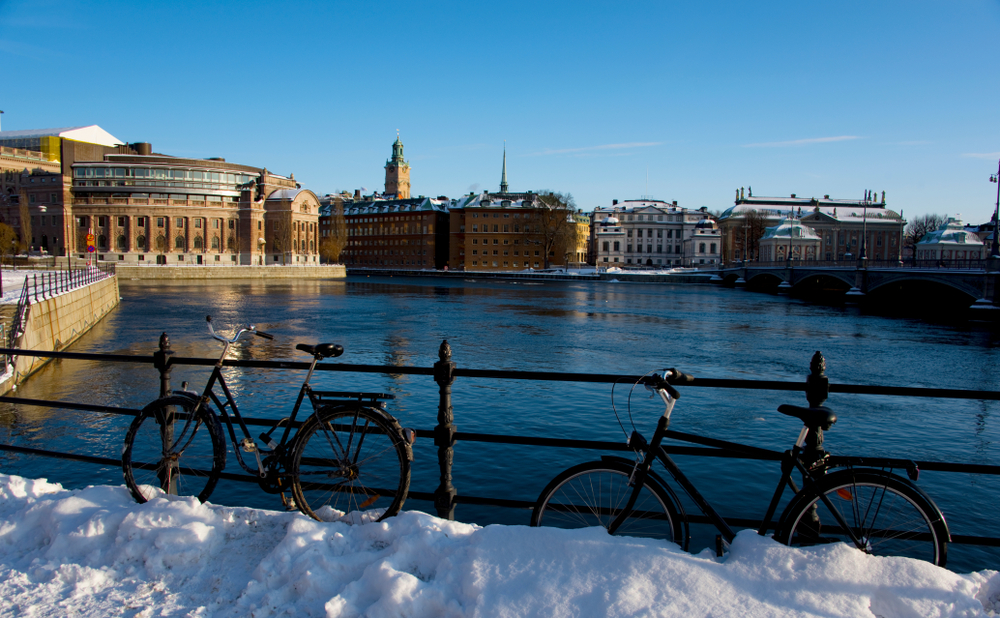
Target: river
(599, 327)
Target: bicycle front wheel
(887, 514)
(594, 493)
(350, 464)
(169, 448)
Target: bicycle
(842, 498)
(349, 460)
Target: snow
(94, 552)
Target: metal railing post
(444, 433)
(161, 361)
(817, 390)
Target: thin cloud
(982, 155)
(594, 148)
(803, 142)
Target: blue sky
(592, 98)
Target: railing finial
(444, 352)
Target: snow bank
(93, 552)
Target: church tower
(397, 173)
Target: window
(179, 222)
(232, 224)
(713, 247)
(670, 233)
(628, 248)
(215, 241)
(31, 198)
(604, 247)
(121, 221)
(179, 242)
(617, 247)
(629, 233)
(140, 221)
(140, 242)
(215, 224)
(701, 247)
(120, 244)
(475, 228)
(102, 222)
(475, 241)
(197, 224)
(160, 222)
(659, 233)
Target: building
(840, 225)
(950, 242)
(143, 207)
(402, 234)
(653, 233)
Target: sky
(604, 100)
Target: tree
(554, 223)
(7, 238)
(25, 216)
(752, 227)
(330, 247)
(920, 227)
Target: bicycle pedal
(248, 445)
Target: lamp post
(862, 255)
(995, 245)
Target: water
(557, 326)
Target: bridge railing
(967, 264)
(445, 434)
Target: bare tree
(919, 227)
(333, 245)
(25, 216)
(554, 223)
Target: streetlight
(995, 246)
(863, 257)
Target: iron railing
(445, 434)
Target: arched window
(179, 242)
(215, 242)
(197, 242)
(102, 242)
(161, 242)
(140, 243)
(121, 244)
(231, 243)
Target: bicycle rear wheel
(350, 464)
(888, 514)
(171, 449)
(594, 493)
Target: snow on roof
(841, 210)
(790, 228)
(951, 232)
(92, 134)
(285, 194)
(93, 552)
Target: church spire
(503, 177)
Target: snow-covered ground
(13, 281)
(94, 552)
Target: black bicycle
(842, 498)
(349, 460)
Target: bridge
(974, 281)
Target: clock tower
(397, 173)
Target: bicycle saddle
(322, 350)
(821, 416)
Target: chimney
(144, 148)
(826, 197)
(675, 202)
(614, 202)
(357, 194)
(793, 195)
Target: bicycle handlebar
(249, 328)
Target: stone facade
(653, 233)
(841, 225)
